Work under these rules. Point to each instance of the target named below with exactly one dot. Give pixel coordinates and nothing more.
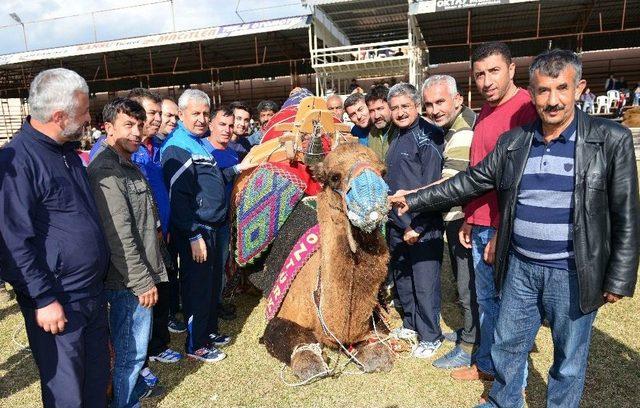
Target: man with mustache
(414, 159)
(382, 130)
(334, 104)
(127, 209)
(356, 107)
(53, 250)
(569, 236)
(444, 107)
(266, 110)
(505, 107)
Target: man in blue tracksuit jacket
(198, 207)
(53, 250)
(414, 159)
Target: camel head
(354, 173)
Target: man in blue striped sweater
(568, 240)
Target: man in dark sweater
(53, 248)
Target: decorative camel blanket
(306, 246)
(302, 218)
(264, 205)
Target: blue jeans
(486, 295)
(531, 293)
(130, 325)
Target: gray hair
(439, 79)
(552, 63)
(55, 90)
(403, 88)
(195, 95)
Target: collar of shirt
(410, 127)
(566, 134)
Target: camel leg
(375, 357)
(281, 337)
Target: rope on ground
(14, 338)
(315, 349)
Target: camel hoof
(375, 357)
(307, 364)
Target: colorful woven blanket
(308, 243)
(263, 206)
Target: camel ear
(319, 172)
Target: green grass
(249, 377)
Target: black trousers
(462, 267)
(74, 364)
(200, 284)
(416, 274)
(174, 284)
(160, 336)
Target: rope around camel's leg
(315, 349)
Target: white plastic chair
(603, 102)
(614, 97)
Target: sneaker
(5, 295)
(453, 337)
(403, 333)
(176, 326)
(455, 358)
(153, 392)
(208, 355)
(426, 349)
(219, 340)
(148, 377)
(167, 356)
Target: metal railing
(398, 49)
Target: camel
(332, 299)
(631, 117)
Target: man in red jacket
(506, 106)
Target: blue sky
(70, 21)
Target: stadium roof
(596, 67)
(367, 21)
(451, 28)
(267, 48)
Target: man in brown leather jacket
(568, 240)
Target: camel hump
(302, 218)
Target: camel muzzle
(366, 200)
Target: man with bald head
(169, 118)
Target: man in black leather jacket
(560, 254)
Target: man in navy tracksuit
(414, 159)
(53, 248)
(198, 209)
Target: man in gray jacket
(130, 221)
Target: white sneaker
(426, 349)
(403, 333)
